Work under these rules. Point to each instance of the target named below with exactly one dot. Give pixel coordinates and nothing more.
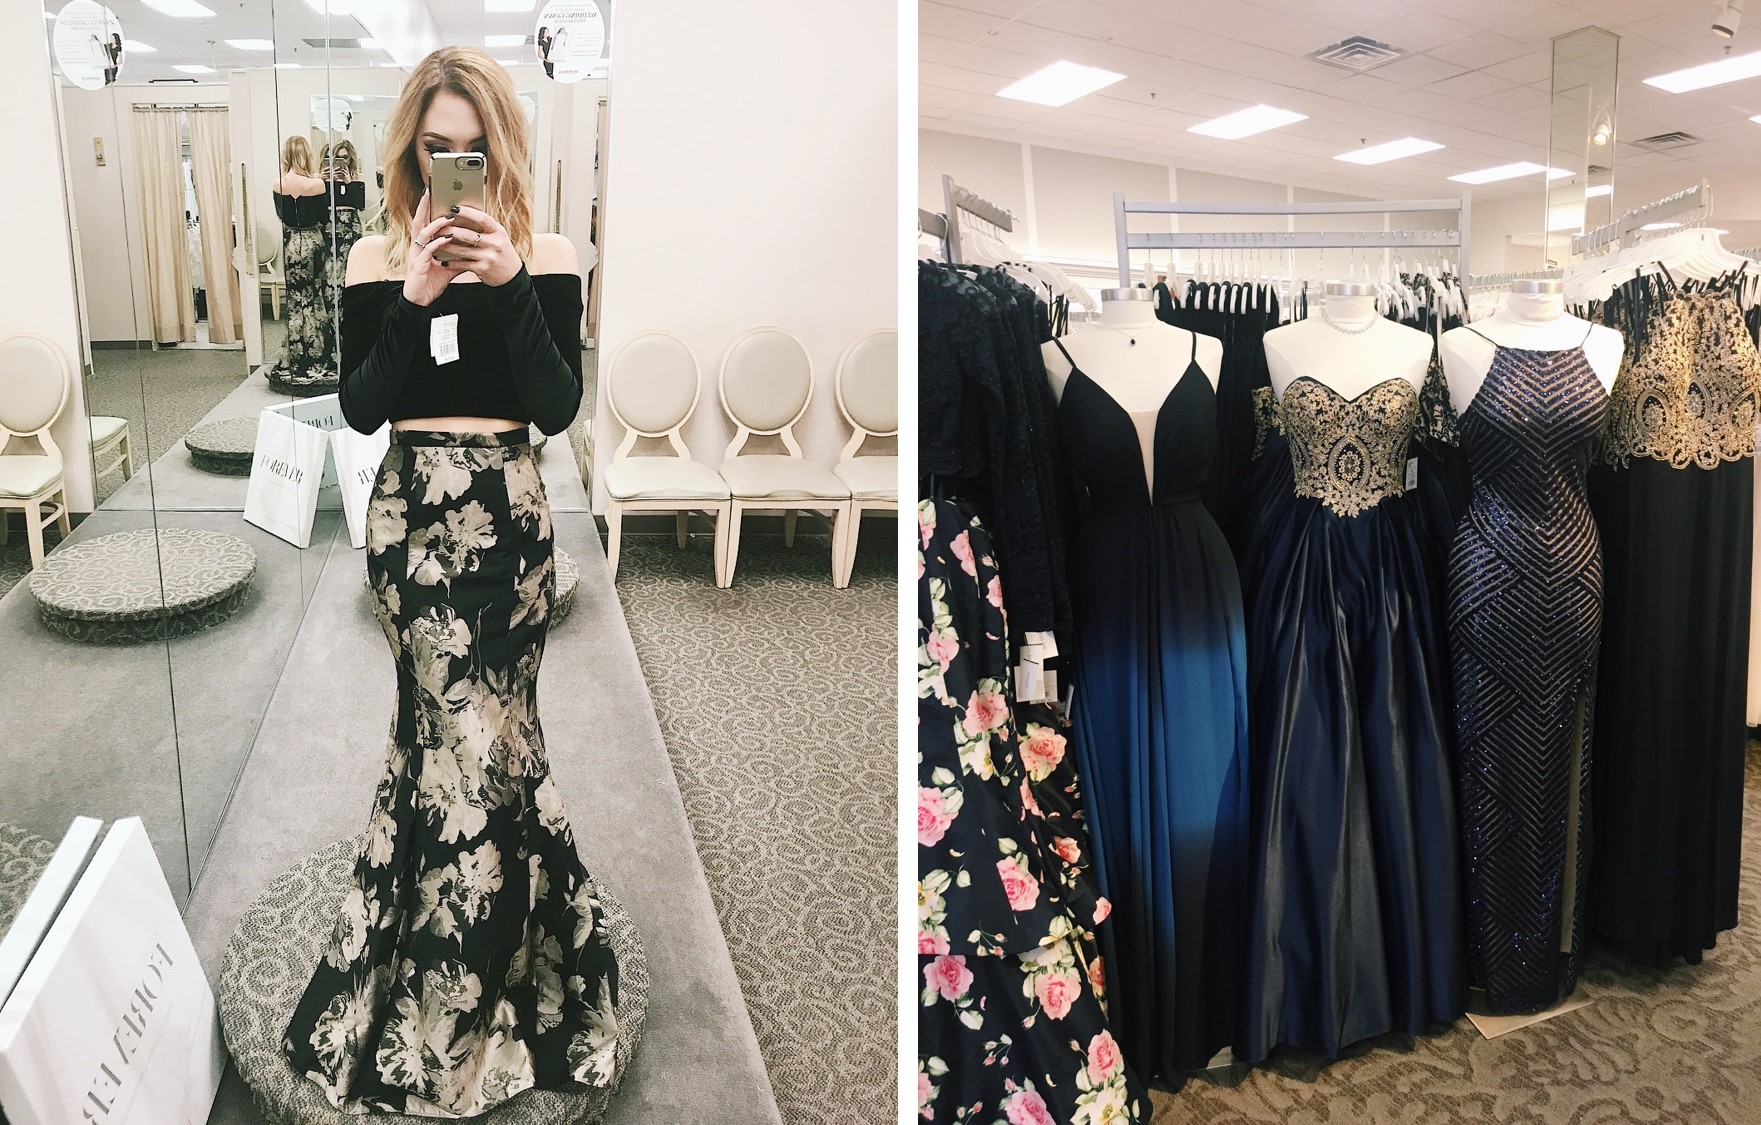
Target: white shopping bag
(291, 462)
(113, 1019)
(358, 457)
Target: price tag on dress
(443, 338)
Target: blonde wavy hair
(470, 73)
(342, 152)
(296, 155)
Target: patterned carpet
(777, 701)
(23, 855)
(1657, 1046)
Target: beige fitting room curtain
(210, 161)
(171, 300)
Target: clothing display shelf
(1690, 206)
(1456, 238)
(958, 201)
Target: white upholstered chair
(766, 383)
(868, 398)
(653, 385)
(269, 267)
(110, 439)
(35, 383)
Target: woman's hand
(425, 278)
(486, 251)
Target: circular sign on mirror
(88, 44)
(569, 38)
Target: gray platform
(144, 585)
(275, 949)
(227, 447)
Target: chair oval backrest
(34, 382)
(653, 383)
(868, 382)
(766, 380)
(268, 244)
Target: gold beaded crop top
(1348, 453)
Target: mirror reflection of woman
(470, 961)
(341, 171)
(307, 365)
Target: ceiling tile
(1539, 29)
(1026, 39)
(1417, 70)
(1611, 13)
(1517, 99)
(1366, 89)
(1422, 31)
(935, 98)
(1494, 15)
(1008, 9)
(1535, 66)
(959, 78)
(986, 60)
(1082, 17)
(1474, 84)
(955, 23)
(1483, 49)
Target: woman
(307, 365)
(341, 168)
(470, 961)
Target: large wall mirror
(219, 162)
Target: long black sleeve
(381, 333)
(544, 346)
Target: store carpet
(777, 700)
(1658, 1046)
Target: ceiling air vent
(1676, 139)
(1598, 169)
(1358, 53)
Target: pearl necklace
(1337, 327)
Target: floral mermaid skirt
(470, 961)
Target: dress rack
(1500, 280)
(936, 226)
(955, 200)
(1456, 238)
(1695, 201)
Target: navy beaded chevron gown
(1160, 721)
(1525, 623)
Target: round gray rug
(142, 585)
(325, 384)
(275, 949)
(226, 447)
(23, 855)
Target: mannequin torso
(1347, 363)
(1530, 322)
(1136, 360)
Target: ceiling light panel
(251, 44)
(1507, 172)
(182, 9)
(1732, 69)
(504, 40)
(193, 68)
(1060, 84)
(138, 47)
(1391, 150)
(509, 5)
(1599, 189)
(1247, 122)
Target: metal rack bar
(1456, 239)
(1500, 280)
(1697, 199)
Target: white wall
(751, 179)
(39, 295)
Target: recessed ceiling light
(1508, 172)
(1059, 84)
(509, 5)
(287, 66)
(251, 44)
(1660, 226)
(1756, 119)
(504, 40)
(1392, 150)
(368, 43)
(1732, 69)
(183, 9)
(1247, 122)
(137, 46)
(1599, 189)
(193, 68)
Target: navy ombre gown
(1355, 920)
(1159, 721)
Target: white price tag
(1045, 640)
(443, 338)
(1412, 473)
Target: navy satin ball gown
(1159, 720)
(1355, 920)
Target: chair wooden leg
(62, 519)
(5, 525)
(614, 534)
(847, 557)
(128, 457)
(33, 530)
(679, 521)
(789, 518)
(840, 540)
(720, 516)
(731, 553)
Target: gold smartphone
(455, 179)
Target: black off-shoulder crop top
(303, 212)
(519, 353)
